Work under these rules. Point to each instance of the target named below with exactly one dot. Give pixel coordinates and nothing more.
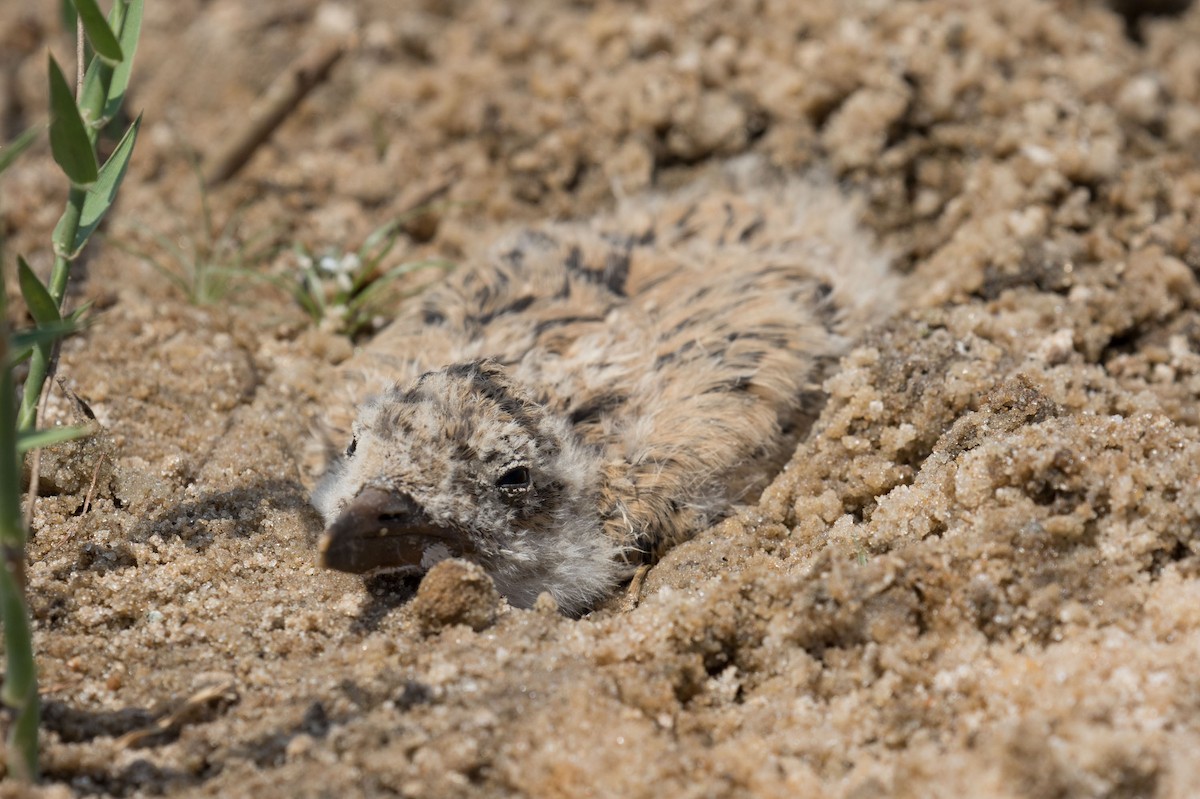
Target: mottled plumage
(589, 394)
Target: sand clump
(978, 575)
(455, 592)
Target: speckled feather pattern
(651, 368)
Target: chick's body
(590, 394)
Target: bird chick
(585, 396)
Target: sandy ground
(979, 575)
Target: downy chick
(570, 406)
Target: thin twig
(91, 494)
(191, 711)
(78, 57)
(35, 460)
(265, 115)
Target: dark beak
(382, 530)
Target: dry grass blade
(301, 77)
(196, 708)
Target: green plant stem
(69, 225)
(19, 696)
(39, 363)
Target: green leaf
(42, 306)
(74, 316)
(384, 234)
(368, 294)
(102, 194)
(104, 84)
(92, 98)
(68, 138)
(33, 439)
(43, 335)
(66, 15)
(130, 25)
(18, 145)
(104, 42)
(22, 343)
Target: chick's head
(465, 463)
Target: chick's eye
(516, 477)
(353, 446)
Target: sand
(979, 575)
